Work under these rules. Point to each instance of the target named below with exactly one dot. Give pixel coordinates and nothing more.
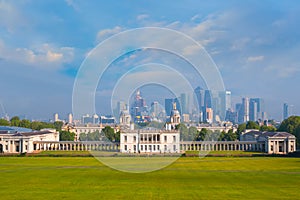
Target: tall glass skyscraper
(285, 111)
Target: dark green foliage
(58, 125)
(252, 125)
(66, 136)
(292, 125)
(4, 122)
(267, 128)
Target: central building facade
(149, 141)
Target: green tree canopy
(58, 125)
(184, 132)
(66, 136)
(252, 125)
(241, 128)
(4, 122)
(291, 125)
(15, 121)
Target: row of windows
(155, 138)
(149, 148)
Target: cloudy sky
(255, 44)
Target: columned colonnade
(184, 146)
(75, 146)
(223, 146)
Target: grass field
(187, 178)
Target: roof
(277, 134)
(13, 129)
(33, 133)
(269, 134)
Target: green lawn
(187, 178)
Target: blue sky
(255, 44)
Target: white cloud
(105, 33)
(45, 56)
(142, 17)
(255, 58)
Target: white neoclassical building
(272, 142)
(12, 141)
(149, 141)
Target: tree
(241, 128)
(291, 125)
(25, 123)
(267, 128)
(202, 134)
(109, 133)
(193, 132)
(15, 121)
(184, 133)
(252, 125)
(4, 122)
(66, 136)
(58, 125)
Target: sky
(255, 45)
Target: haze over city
(254, 44)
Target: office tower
(285, 111)
(184, 103)
(239, 111)
(245, 108)
(154, 109)
(139, 107)
(228, 100)
(56, 117)
(199, 93)
(256, 109)
(253, 114)
(121, 106)
(169, 105)
(70, 118)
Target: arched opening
(1, 148)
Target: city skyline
(255, 47)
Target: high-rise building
(256, 109)
(245, 107)
(56, 117)
(169, 105)
(70, 118)
(121, 106)
(155, 109)
(228, 100)
(285, 111)
(199, 93)
(184, 103)
(240, 113)
(253, 114)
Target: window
(165, 138)
(125, 147)
(157, 147)
(166, 148)
(145, 147)
(174, 148)
(6, 147)
(150, 147)
(153, 147)
(158, 138)
(134, 138)
(125, 138)
(26, 147)
(174, 138)
(141, 147)
(271, 147)
(134, 147)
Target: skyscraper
(245, 107)
(228, 100)
(253, 114)
(285, 111)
